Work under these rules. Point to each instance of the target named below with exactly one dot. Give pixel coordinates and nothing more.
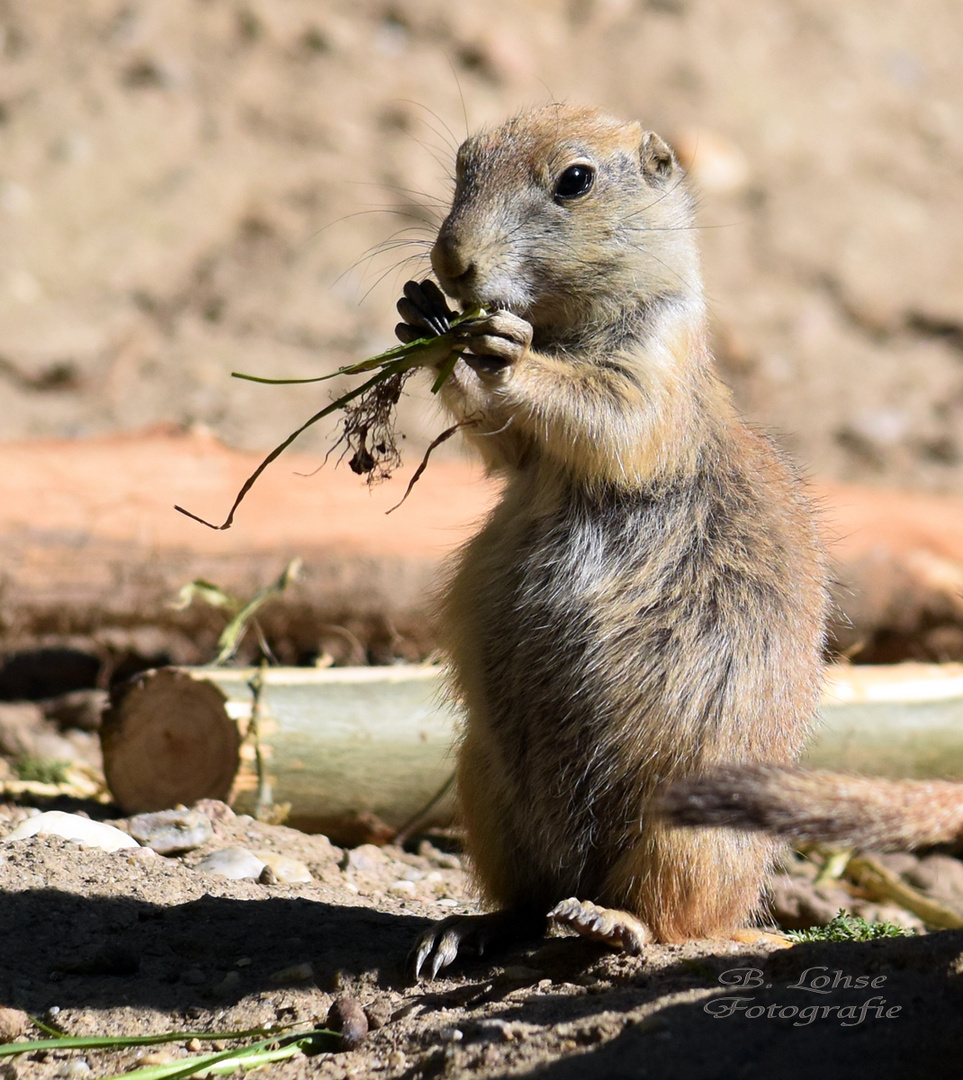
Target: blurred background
(191, 187)
(194, 187)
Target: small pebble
(232, 862)
(440, 858)
(139, 855)
(402, 888)
(158, 1057)
(347, 1016)
(378, 1014)
(367, 859)
(493, 1031)
(297, 973)
(397, 1060)
(73, 827)
(74, 1069)
(939, 875)
(287, 871)
(13, 1022)
(171, 831)
(215, 810)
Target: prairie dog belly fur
(605, 641)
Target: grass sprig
(269, 1048)
(845, 926)
(381, 391)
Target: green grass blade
(398, 352)
(113, 1042)
(288, 1046)
(253, 1061)
(445, 370)
(281, 382)
(232, 633)
(204, 591)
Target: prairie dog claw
(441, 943)
(424, 309)
(616, 928)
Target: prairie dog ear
(656, 157)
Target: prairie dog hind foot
(619, 929)
(622, 930)
(442, 942)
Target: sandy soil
(121, 943)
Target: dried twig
(433, 445)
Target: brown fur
(858, 811)
(648, 598)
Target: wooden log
(95, 565)
(350, 750)
(341, 744)
(168, 739)
(891, 720)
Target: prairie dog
(648, 598)
(858, 811)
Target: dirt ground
(194, 187)
(121, 943)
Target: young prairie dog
(648, 598)
(807, 807)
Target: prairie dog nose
(451, 262)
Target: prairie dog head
(566, 216)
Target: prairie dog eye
(574, 182)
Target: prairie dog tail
(856, 811)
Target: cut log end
(167, 739)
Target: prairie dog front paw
(495, 342)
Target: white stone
(288, 871)
(89, 833)
(232, 862)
